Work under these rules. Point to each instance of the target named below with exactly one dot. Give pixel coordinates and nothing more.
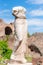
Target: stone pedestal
(20, 64)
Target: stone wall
(35, 44)
(6, 28)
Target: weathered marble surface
(20, 34)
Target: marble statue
(20, 26)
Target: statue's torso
(21, 27)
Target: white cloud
(35, 22)
(8, 20)
(36, 28)
(35, 25)
(37, 12)
(4, 11)
(35, 1)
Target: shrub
(3, 46)
(5, 52)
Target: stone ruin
(6, 29)
(35, 44)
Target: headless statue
(20, 26)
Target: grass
(2, 64)
(28, 58)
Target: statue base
(20, 64)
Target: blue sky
(34, 13)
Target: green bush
(3, 46)
(5, 52)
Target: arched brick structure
(8, 30)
